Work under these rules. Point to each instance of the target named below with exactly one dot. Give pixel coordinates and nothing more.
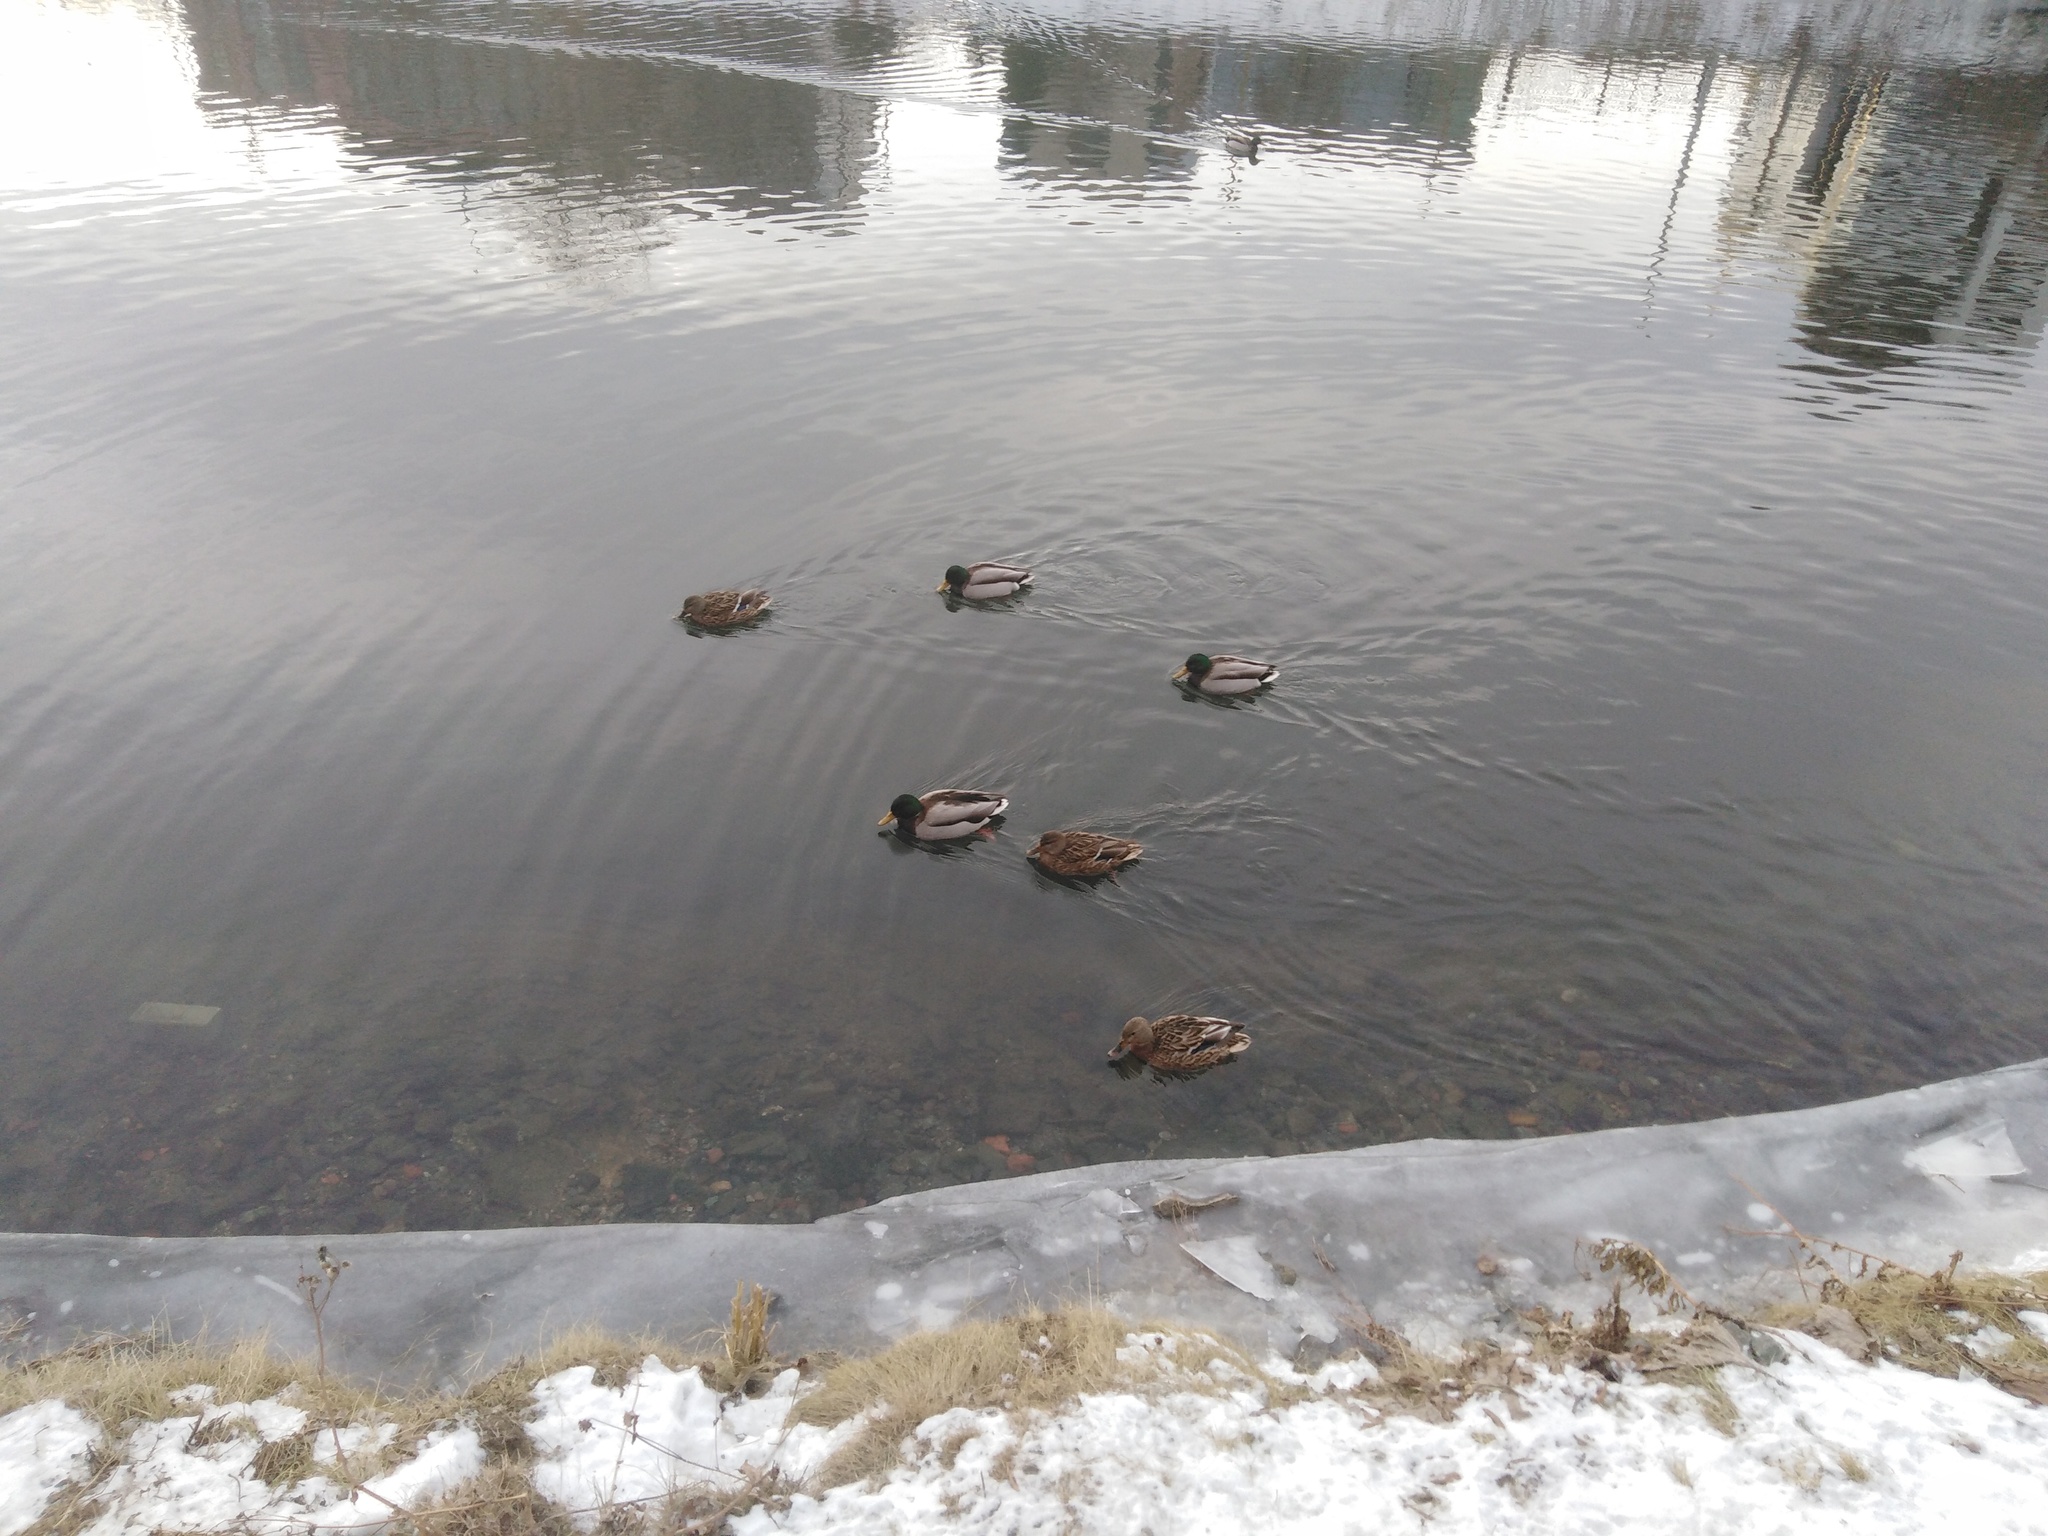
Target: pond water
(1622, 423)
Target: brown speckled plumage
(1082, 855)
(1179, 1045)
(724, 609)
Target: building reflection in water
(1906, 200)
(1911, 206)
(583, 145)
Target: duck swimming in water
(945, 814)
(724, 609)
(1176, 1046)
(984, 580)
(1225, 675)
(1082, 855)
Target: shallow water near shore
(1623, 427)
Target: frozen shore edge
(1395, 1230)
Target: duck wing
(1238, 669)
(1179, 1032)
(961, 807)
(988, 572)
(994, 578)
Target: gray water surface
(1622, 424)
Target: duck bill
(1180, 674)
(943, 587)
(1119, 1052)
(886, 819)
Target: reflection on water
(1905, 199)
(1908, 201)
(1622, 426)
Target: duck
(724, 609)
(1225, 675)
(945, 814)
(1177, 1046)
(1245, 144)
(1082, 855)
(985, 579)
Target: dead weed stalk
(1946, 1322)
(317, 1296)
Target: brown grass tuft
(748, 1354)
(1034, 1361)
(115, 1379)
(1924, 1321)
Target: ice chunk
(1238, 1260)
(191, 1015)
(1980, 1151)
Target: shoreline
(1439, 1240)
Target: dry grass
(749, 1358)
(1864, 1304)
(115, 1379)
(1926, 1322)
(121, 1380)
(1034, 1361)
(499, 1502)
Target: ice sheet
(1440, 1239)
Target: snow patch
(162, 1481)
(42, 1447)
(1823, 1444)
(662, 1432)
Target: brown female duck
(1178, 1045)
(1082, 855)
(724, 609)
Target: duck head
(1195, 668)
(904, 811)
(1136, 1040)
(956, 579)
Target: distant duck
(1225, 675)
(1082, 855)
(1178, 1046)
(1245, 144)
(985, 579)
(944, 814)
(724, 610)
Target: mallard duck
(724, 610)
(1082, 855)
(985, 579)
(1179, 1045)
(944, 814)
(1225, 674)
(1245, 144)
